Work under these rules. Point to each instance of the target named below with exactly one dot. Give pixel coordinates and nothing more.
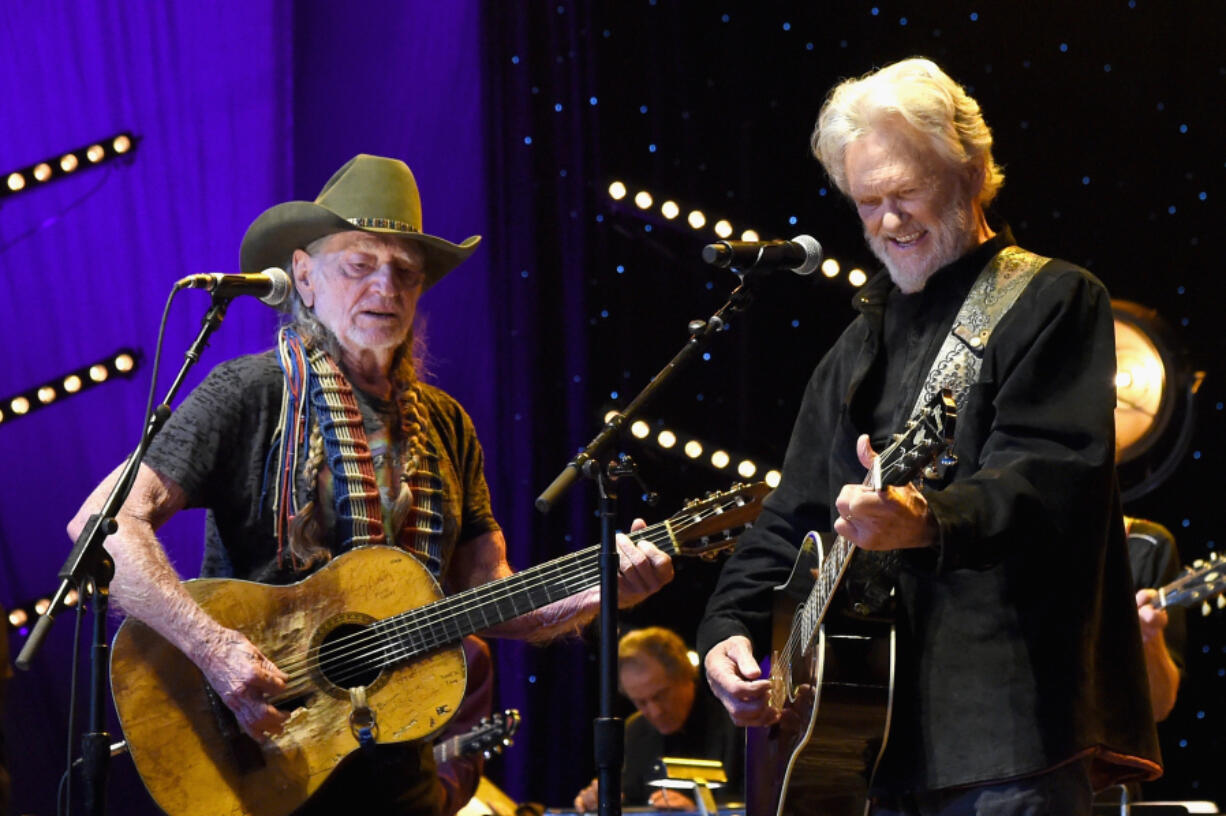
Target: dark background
(516, 117)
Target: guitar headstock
(1200, 582)
(708, 526)
(491, 735)
(927, 441)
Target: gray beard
(949, 244)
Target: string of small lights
(686, 446)
(669, 210)
(121, 363)
(82, 158)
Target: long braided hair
(307, 538)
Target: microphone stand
(608, 731)
(90, 567)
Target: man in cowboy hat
(330, 442)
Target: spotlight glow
(720, 459)
(666, 438)
(830, 267)
(95, 153)
(19, 405)
(750, 235)
(98, 372)
(857, 277)
(746, 469)
(124, 363)
(72, 383)
(723, 229)
(46, 395)
(696, 219)
(16, 182)
(18, 617)
(608, 417)
(640, 429)
(642, 200)
(670, 210)
(772, 478)
(122, 144)
(42, 605)
(68, 163)
(617, 191)
(42, 171)
(693, 449)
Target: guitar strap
(1000, 283)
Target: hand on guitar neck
(883, 517)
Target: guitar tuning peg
(1205, 609)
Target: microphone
(271, 286)
(801, 255)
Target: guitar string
(455, 604)
(526, 581)
(823, 588)
(565, 571)
(553, 573)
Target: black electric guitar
(1199, 582)
(832, 674)
(372, 651)
(487, 737)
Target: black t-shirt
(708, 733)
(1155, 563)
(218, 447)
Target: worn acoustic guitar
(371, 648)
(832, 674)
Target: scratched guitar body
(818, 759)
(187, 761)
(371, 619)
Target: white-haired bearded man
(329, 443)
(1020, 683)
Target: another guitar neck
(447, 621)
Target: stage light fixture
(720, 459)
(830, 267)
(772, 478)
(640, 429)
(119, 364)
(857, 277)
(18, 617)
(746, 469)
(722, 228)
(617, 191)
(1155, 398)
(750, 235)
(696, 219)
(666, 438)
(67, 163)
(643, 200)
(670, 210)
(693, 449)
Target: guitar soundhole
(347, 656)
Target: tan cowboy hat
(370, 193)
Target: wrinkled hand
(1152, 621)
(892, 518)
(666, 799)
(642, 568)
(245, 679)
(588, 799)
(736, 678)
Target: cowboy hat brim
(278, 231)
